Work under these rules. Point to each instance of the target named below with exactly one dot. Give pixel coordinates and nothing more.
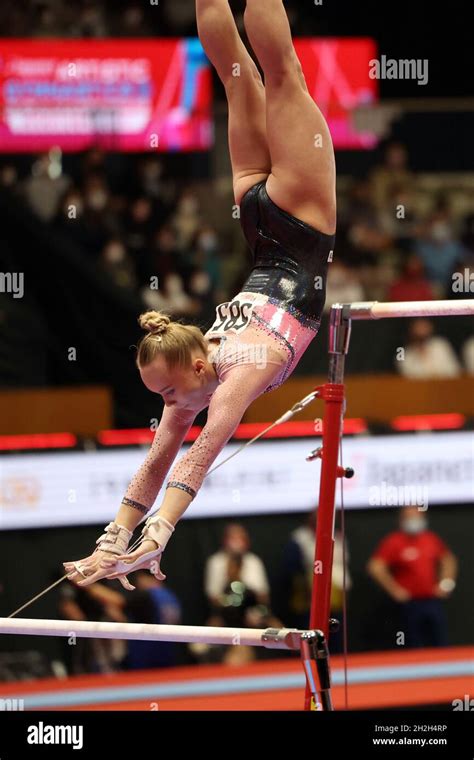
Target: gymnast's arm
(142, 491)
(148, 480)
(229, 402)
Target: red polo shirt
(413, 560)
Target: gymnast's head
(173, 361)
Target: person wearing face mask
(418, 571)
(439, 249)
(116, 262)
(427, 355)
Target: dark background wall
(30, 560)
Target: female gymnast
(284, 182)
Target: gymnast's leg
(245, 92)
(302, 179)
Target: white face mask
(189, 206)
(414, 525)
(208, 242)
(97, 200)
(200, 283)
(115, 254)
(441, 232)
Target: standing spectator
(297, 574)
(237, 588)
(235, 545)
(417, 569)
(427, 355)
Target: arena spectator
(206, 254)
(187, 219)
(151, 603)
(171, 297)
(438, 247)
(418, 570)
(392, 174)
(238, 592)
(47, 184)
(468, 355)
(412, 285)
(296, 579)
(235, 544)
(118, 265)
(89, 655)
(427, 355)
(342, 286)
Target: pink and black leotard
(260, 336)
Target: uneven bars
(271, 638)
(376, 310)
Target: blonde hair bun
(154, 322)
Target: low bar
(270, 638)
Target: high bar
(375, 310)
(271, 638)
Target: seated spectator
(427, 355)
(186, 220)
(151, 182)
(206, 254)
(164, 256)
(398, 219)
(412, 284)
(468, 355)
(361, 228)
(116, 262)
(46, 186)
(393, 173)
(418, 570)
(438, 247)
(152, 603)
(342, 286)
(171, 297)
(296, 579)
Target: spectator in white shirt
(235, 545)
(468, 355)
(427, 355)
(237, 587)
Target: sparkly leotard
(260, 337)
